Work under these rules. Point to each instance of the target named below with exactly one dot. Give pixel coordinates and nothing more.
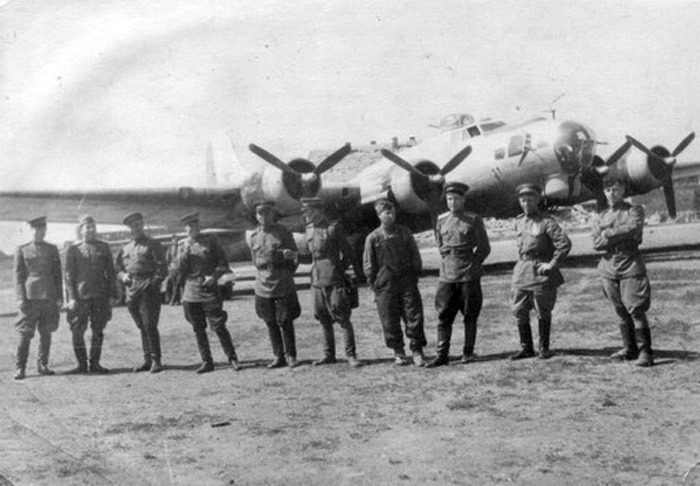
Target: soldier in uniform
(90, 282)
(463, 245)
(39, 293)
(276, 303)
(141, 268)
(392, 265)
(542, 246)
(618, 232)
(200, 263)
(330, 252)
(172, 285)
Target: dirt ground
(574, 419)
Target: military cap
(311, 202)
(383, 204)
(529, 188)
(37, 222)
(131, 217)
(190, 218)
(455, 187)
(86, 219)
(263, 205)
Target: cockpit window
(515, 147)
(474, 131)
(491, 126)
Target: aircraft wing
(686, 169)
(220, 207)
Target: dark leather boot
(22, 356)
(42, 365)
(646, 356)
(629, 351)
(227, 345)
(290, 344)
(328, 345)
(349, 339)
(273, 331)
(96, 354)
(526, 348)
(80, 354)
(443, 347)
(156, 366)
(204, 351)
(146, 347)
(544, 327)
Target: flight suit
(330, 253)
(463, 245)
(618, 232)
(143, 260)
(90, 282)
(540, 240)
(276, 301)
(198, 258)
(392, 265)
(39, 292)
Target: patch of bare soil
(574, 419)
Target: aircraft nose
(574, 147)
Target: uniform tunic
(618, 232)
(331, 254)
(275, 274)
(463, 245)
(143, 260)
(90, 282)
(38, 287)
(276, 301)
(198, 258)
(540, 240)
(392, 264)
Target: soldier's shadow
(661, 356)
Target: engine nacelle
(645, 173)
(413, 193)
(283, 188)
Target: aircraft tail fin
(223, 166)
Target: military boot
(290, 345)
(42, 364)
(96, 354)
(630, 351)
(156, 366)
(204, 352)
(22, 356)
(278, 361)
(526, 348)
(469, 342)
(80, 354)
(328, 345)
(544, 326)
(146, 346)
(443, 347)
(228, 347)
(646, 356)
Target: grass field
(574, 419)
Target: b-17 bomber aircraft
(490, 156)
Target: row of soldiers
(391, 262)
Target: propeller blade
(402, 163)
(330, 161)
(643, 148)
(670, 195)
(617, 155)
(681, 146)
(272, 160)
(456, 160)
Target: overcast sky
(117, 93)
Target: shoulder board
(443, 215)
